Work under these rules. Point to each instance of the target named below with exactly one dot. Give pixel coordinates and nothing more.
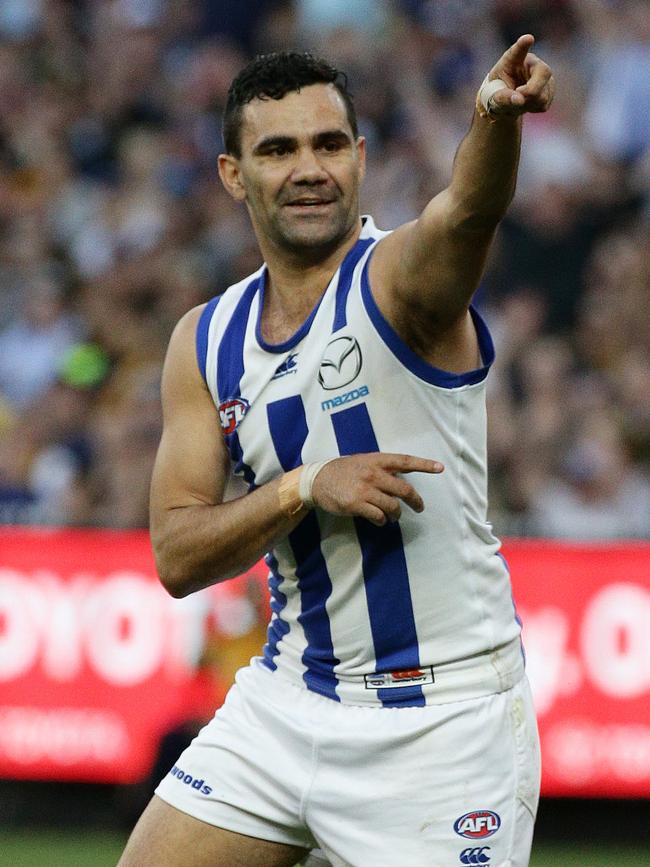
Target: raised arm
(426, 271)
(197, 538)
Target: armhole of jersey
(202, 332)
(410, 359)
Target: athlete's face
(300, 169)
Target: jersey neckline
(303, 329)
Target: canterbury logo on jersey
(288, 366)
(231, 412)
(341, 363)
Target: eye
(331, 146)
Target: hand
(530, 82)
(367, 486)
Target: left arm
(428, 270)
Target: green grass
(588, 855)
(37, 848)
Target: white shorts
(438, 786)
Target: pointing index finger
(411, 464)
(518, 51)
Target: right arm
(198, 539)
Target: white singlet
(418, 611)
(416, 616)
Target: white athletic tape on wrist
(295, 490)
(307, 479)
(485, 93)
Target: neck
(295, 282)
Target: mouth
(309, 203)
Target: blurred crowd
(113, 223)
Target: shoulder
(181, 357)
(195, 327)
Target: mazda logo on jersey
(341, 363)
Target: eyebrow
(286, 141)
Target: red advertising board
(586, 630)
(97, 661)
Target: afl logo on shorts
(341, 363)
(478, 824)
(231, 412)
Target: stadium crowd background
(113, 223)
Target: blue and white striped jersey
(418, 611)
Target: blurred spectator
(113, 224)
(595, 493)
(34, 343)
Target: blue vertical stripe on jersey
(288, 428)
(240, 465)
(278, 627)
(385, 573)
(202, 331)
(345, 281)
(230, 355)
(230, 369)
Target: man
(389, 720)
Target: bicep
(432, 265)
(192, 465)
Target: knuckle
(366, 473)
(404, 490)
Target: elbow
(176, 591)
(181, 578)
(177, 577)
(175, 582)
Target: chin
(313, 236)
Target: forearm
(199, 545)
(485, 172)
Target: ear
(230, 175)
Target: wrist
(295, 489)
(485, 95)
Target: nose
(307, 168)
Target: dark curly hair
(272, 76)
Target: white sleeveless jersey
(418, 611)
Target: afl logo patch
(341, 363)
(231, 412)
(478, 824)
